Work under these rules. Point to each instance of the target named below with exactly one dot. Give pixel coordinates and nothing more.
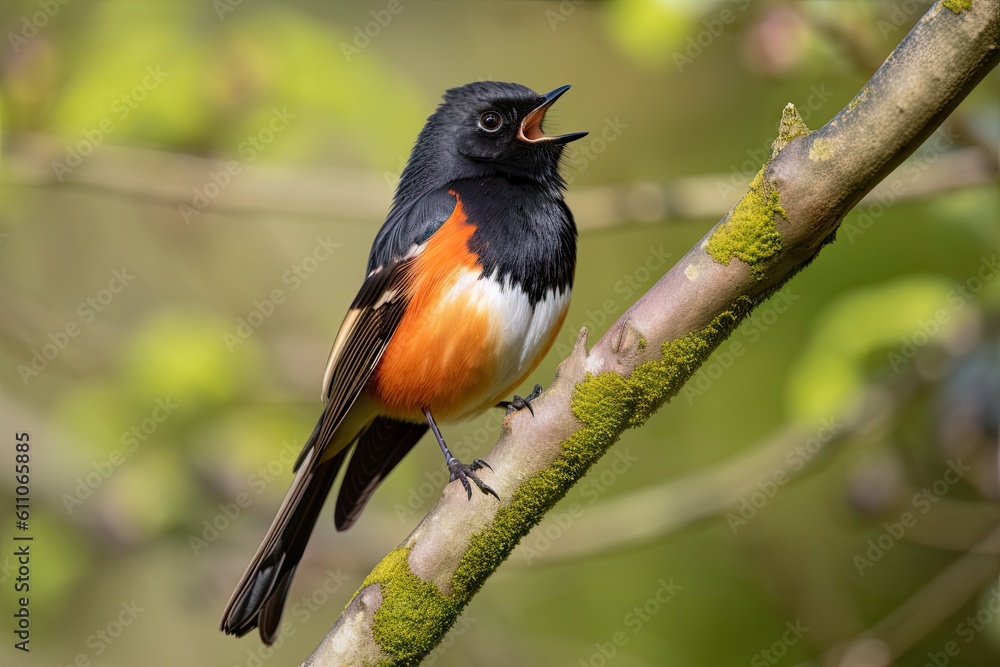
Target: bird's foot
(521, 403)
(466, 471)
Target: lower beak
(531, 127)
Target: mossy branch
(794, 206)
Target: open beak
(531, 127)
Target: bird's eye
(491, 121)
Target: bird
(467, 284)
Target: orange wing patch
(443, 353)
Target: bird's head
(488, 128)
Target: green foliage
(182, 355)
(863, 329)
(649, 31)
(217, 86)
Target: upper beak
(531, 127)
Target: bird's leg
(521, 403)
(460, 471)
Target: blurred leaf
(278, 59)
(132, 79)
(64, 560)
(649, 32)
(183, 356)
(888, 318)
(145, 497)
(96, 416)
(242, 440)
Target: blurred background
(189, 193)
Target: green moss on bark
(413, 613)
(749, 232)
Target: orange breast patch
(443, 354)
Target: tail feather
(382, 445)
(270, 613)
(260, 595)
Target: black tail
(260, 595)
(383, 444)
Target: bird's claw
(521, 403)
(466, 471)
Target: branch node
(626, 339)
(792, 126)
(580, 346)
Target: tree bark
(793, 208)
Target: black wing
(410, 225)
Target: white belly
(522, 333)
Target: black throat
(525, 234)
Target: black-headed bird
(467, 285)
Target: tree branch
(794, 206)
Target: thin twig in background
(161, 178)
